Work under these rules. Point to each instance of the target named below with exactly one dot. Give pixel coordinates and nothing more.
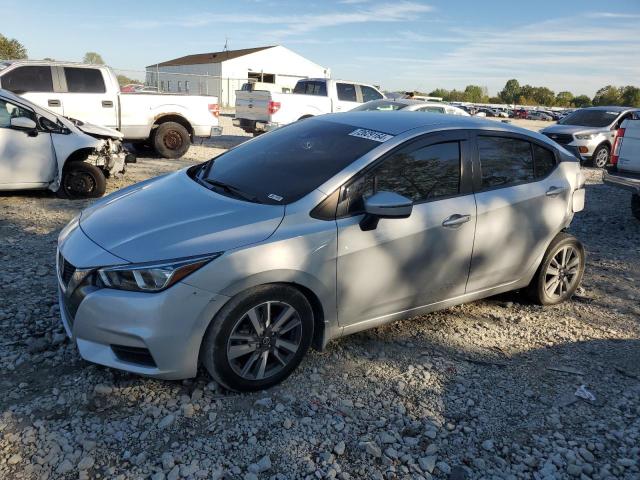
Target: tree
(630, 96)
(440, 92)
(93, 57)
(608, 95)
(564, 98)
(544, 96)
(581, 101)
(511, 91)
(475, 94)
(11, 49)
(124, 80)
(495, 100)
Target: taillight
(214, 108)
(615, 154)
(273, 107)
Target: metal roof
(211, 57)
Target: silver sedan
(408, 105)
(316, 230)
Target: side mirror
(23, 123)
(384, 205)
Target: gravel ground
(484, 390)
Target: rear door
(37, 83)
(522, 198)
(87, 97)
(346, 97)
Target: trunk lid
(253, 105)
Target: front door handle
(555, 191)
(454, 221)
(107, 104)
(52, 102)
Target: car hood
(173, 217)
(97, 130)
(571, 129)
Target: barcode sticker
(371, 135)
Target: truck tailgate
(629, 160)
(253, 105)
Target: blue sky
(398, 44)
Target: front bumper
(629, 182)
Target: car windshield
(382, 106)
(590, 118)
(288, 163)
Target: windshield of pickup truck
(284, 165)
(590, 118)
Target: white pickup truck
(91, 93)
(624, 171)
(259, 111)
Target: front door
(88, 98)
(347, 97)
(26, 157)
(412, 262)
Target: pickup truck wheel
(600, 157)
(171, 140)
(82, 180)
(635, 205)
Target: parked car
(590, 132)
(539, 115)
(168, 123)
(319, 229)
(260, 111)
(131, 88)
(42, 150)
(521, 113)
(625, 163)
(407, 105)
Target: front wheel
(171, 140)
(82, 180)
(258, 338)
(600, 157)
(560, 272)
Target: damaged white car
(42, 150)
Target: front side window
(369, 94)
(421, 174)
(84, 80)
(504, 161)
(30, 78)
(346, 92)
(10, 110)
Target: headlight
(150, 277)
(586, 136)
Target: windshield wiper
(235, 191)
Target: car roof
(611, 108)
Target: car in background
(539, 115)
(408, 105)
(131, 88)
(625, 163)
(317, 230)
(521, 113)
(590, 132)
(42, 150)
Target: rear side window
(30, 78)
(544, 161)
(311, 88)
(369, 94)
(84, 80)
(421, 174)
(504, 161)
(346, 92)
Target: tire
(171, 140)
(600, 157)
(223, 355)
(635, 205)
(567, 271)
(82, 180)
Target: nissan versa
(319, 229)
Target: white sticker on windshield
(371, 135)
(275, 197)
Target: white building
(222, 73)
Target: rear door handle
(555, 191)
(52, 102)
(456, 220)
(107, 104)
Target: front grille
(561, 138)
(67, 271)
(139, 355)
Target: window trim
(432, 138)
(477, 166)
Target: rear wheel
(171, 140)
(560, 272)
(82, 180)
(258, 338)
(600, 157)
(635, 205)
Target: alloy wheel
(264, 340)
(562, 272)
(602, 158)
